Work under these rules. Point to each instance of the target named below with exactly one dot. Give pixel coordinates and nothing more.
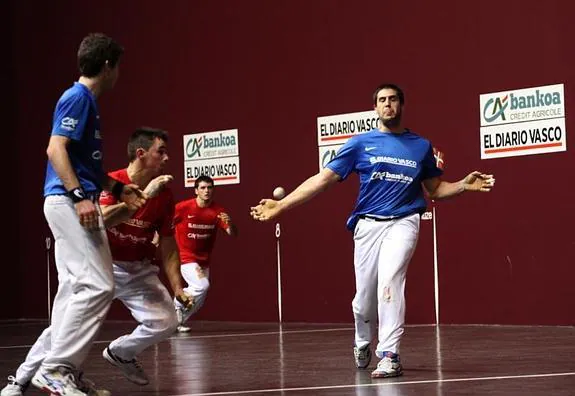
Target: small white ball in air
(279, 193)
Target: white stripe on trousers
(382, 253)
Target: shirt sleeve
(430, 168)
(107, 199)
(167, 225)
(344, 161)
(71, 117)
(177, 214)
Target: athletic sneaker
(14, 388)
(181, 313)
(183, 329)
(362, 356)
(132, 369)
(59, 381)
(388, 366)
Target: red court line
(337, 137)
(217, 178)
(533, 146)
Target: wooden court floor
(311, 359)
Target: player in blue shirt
(74, 179)
(395, 166)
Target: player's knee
(166, 324)
(205, 286)
(362, 309)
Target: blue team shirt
(391, 168)
(76, 116)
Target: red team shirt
(196, 230)
(132, 239)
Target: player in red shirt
(130, 232)
(196, 223)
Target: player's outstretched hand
(477, 181)
(156, 185)
(266, 210)
(133, 196)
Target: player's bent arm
(116, 214)
(57, 152)
(171, 263)
(309, 188)
(438, 189)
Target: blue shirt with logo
(391, 168)
(76, 116)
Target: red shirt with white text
(196, 229)
(132, 239)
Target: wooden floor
(305, 359)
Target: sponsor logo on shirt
(369, 148)
(69, 123)
(201, 226)
(123, 237)
(393, 177)
(393, 160)
(138, 223)
(193, 235)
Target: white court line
(179, 338)
(380, 384)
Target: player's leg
(198, 280)
(85, 256)
(142, 292)
(394, 256)
(367, 239)
(18, 384)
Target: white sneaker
(180, 314)
(60, 381)
(13, 388)
(388, 366)
(183, 329)
(132, 369)
(362, 356)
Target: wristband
(117, 190)
(77, 194)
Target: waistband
(383, 218)
(93, 196)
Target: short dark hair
(144, 137)
(95, 50)
(203, 178)
(397, 90)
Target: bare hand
(88, 214)
(477, 181)
(156, 185)
(266, 210)
(133, 196)
(185, 299)
(225, 218)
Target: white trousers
(149, 302)
(85, 284)
(198, 280)
(142, 292)
(382, 253)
